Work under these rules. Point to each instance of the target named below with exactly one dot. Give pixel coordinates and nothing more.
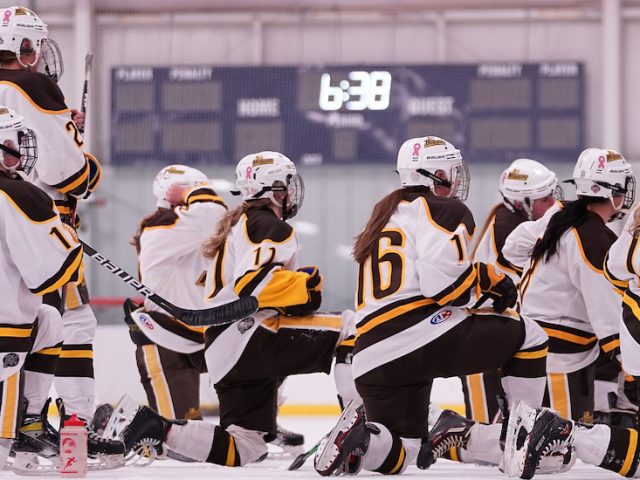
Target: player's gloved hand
(314, 290)
(497, 285)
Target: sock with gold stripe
(387, 452)
(39, 370)
(611, 448)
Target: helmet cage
(51, 64)
(26, 152)
(292, 201)
(459, 183)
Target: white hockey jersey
(259, 258)
(415, 285)
(62, 168)
(568, 294)
(622, 269)
(39, 254)
(170, 257)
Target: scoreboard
(346, 114)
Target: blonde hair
(634, 228)
(211, 247)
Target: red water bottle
(73, 448)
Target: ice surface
(313, 428)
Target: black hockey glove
(314, 290)
(497, 285)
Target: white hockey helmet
(18, 148)
(176, 175)
(420, 158)
(605, 173)
(259, 175)
(526, 180)
(23, 32)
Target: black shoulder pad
(595, 240)
(40, 89)
(28, 199)
(449, 213)
(262, 224)
(505, 223)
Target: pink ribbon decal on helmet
(416, 149)
(7, 16)
(248, 174)
(601, 161)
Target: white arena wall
(338, 199)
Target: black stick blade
(220, 315)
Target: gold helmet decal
(260, 160)
(516, 175)
(432, 141)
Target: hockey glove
(314, 290)
(497, 285)
(95, 173)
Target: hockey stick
(220, 315)
(88, 62)
(303, 457)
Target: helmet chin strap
(436, 179)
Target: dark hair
(7, 56)
(573, 214)
(367, 239)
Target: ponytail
(367, 239)
(634, 228)
(573, 214)
(211, 247)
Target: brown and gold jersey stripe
(611, 345)
(203, 195)
(175, 326)
(39, 90)
(77, 184)
(246, 284)
(27, 199)
(15, 338)
(392, 319)
(67, 272)
(619, 285)
(563, 339)
(461, 287)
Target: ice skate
(532, 434)
(340, 451)
(450, 431)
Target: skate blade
(121, 417)
(328, 451)
(521, 416)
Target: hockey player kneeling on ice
(169, 353)
(255, 252)
(528, 190)
(415, 320)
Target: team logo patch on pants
(10, 360)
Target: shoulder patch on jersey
(446, 213)
(505, 222)
(28, 199)
(594, 240)
(39, 89)
(262, 224)
(163, 217)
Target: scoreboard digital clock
(346, 114)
